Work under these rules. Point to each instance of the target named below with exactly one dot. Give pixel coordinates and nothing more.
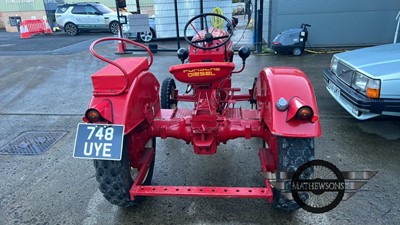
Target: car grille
(344, 72)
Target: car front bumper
(357, 104)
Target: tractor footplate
(193, 191)
(198, 191)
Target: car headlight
(359, 82)
(366, 85)
(334, 63)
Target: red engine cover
(202, 73)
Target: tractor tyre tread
(115, 180)
(167, 86)
(292, 153)
(253, 100)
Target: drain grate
(31, 143)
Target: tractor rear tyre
(168, 98)
(292, 153)
(116, 177)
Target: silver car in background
(87, 16)
(366, 81)
(77, 17)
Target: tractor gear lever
(244, 53)
(183, 54)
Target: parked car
(86, 16)
(145, 36)
(366, 82)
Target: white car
(366, 82)
(74, 18)
(78, 17)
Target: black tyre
(296, 51)
(114, 27)
(253, 100)
(168, 100)
(116, 177)
(292, 153)
(147, 36)
(71, 29)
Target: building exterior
(334, 22)
(1, 21)
(13, 11)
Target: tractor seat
(202, 72)
(111, 79)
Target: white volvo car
(366, 81)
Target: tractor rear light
(93, 116)
(101, 112)
(298, 109)
(305, 113)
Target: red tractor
(126, 114)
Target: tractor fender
(291, 84)
(140, 102)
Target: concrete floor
(43, 91)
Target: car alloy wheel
(71, 29)
(146, 36)
(114, 27)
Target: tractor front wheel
(168, 98)
(116, 177)
(292, 153)
(253, 100)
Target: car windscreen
(104, 9)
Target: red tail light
(305, 113)
(300, 110)
(101, 112)
(93, 116)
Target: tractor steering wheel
(208, 38)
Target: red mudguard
(293, 85)
(131, 108)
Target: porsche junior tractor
(129, 109)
